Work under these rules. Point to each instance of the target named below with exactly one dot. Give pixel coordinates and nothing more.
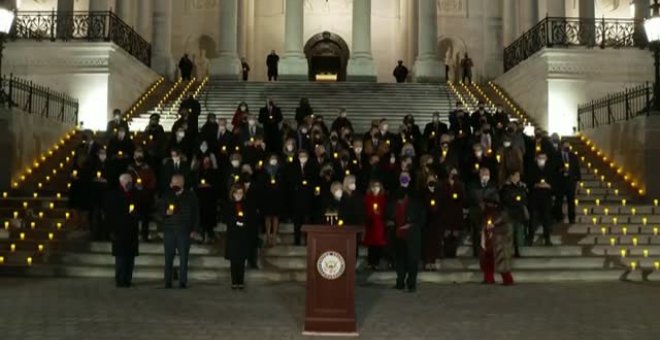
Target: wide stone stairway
(616, 235)
(363, 101)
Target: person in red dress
(375, 203)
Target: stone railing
(616, 107)
(83, 26)
(38, 100)
(570, 32)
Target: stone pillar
(293, 65)
(64, 19)
(588, 22)
(509, 22)
(530, 15)
(227, 65)
(427, 67)
(361, 65)
(101, 5)
(126, 11)
(161, 42)
(145, 14)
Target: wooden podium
(331, 262)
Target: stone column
(126, 11)
(101, 5)
(588, 22)
(64, 19)
(509, 22)
(642, 11)
(361, 65)
(227, 65)
(427, 67)
(145, 14)
(293, 65)
(161, 42)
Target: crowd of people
(419, 192)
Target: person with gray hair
(121, 212)
(179, 213)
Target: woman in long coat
(272, 198)
(239, 222)
(122, 216)
(375, 236)
(496, 243)
(433, 231)
(451, 195)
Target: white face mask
(243, 108)
(102, 157)
(273, 162)
(222, 128)
(289, 148)
(507, 144)
(180, 134)
(376, 190)
(235, 163)
(384, 128)
(541, 162)
(358, 150)
(303, 160)
(252, 122)
(238, 197)
(338, 194)
(485, 179)
(203, 148)
(303, 130)
(121, 134)
(352, 186)
(478, 153)
(431, 188)
(176, 159)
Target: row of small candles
(459, 95)
(168, 94)
(145, 96)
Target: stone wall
(553, 82)
(23, 137)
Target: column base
(163, 64)
(428, 70)
(226, 67)
(293, 68)
(362, 70)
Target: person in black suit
(209, 131)
(120, 154)
(115, 123)
(185, 67)
(569, 176)
(122, 217)
(245, 68)
(271, 63)
(180, 140)
(432, 132)
(175, 165)
(303, 110)
(270, 117)
(239, 222)
(156, 142)
(193, 109)
(541, 181)
(250, 132)
(301, 178)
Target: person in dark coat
(209, 131)
(451, 201)
(145, 185)
(409, 215)
(466, 66)
(432, 133)
(271, 63)
(270, 117)
(251, 206)
(433, 229)
(341, 121)
(206, 188)
(115, 123)
(81, 176)
(496, 243)
(98, 188)
(303, 110)
(156, 142)
(540, 180)
(569, 177)
(514, 200)
(179, 214)
(400, 72)
(185, 67)
(239, 221)
(272, 187)
(351, 208)
(477, 192)
(122, 217)
(176, 164)
(245, 69)
(239, 120)
(250, 132)
(193, 109)
(301, 178)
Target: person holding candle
(567, 181)
(239, 220)
(176, 164)
(350, 208)
(121, 213)
(144, 178)
(432, 230)
(540, 180)
(271, 184)
(179, 214)
(120, 153)
(451, 194)
(514, 201)
(302, 177)
(98, 189)
(156, 142)
(496, 242)
(510, 160)
(206, 174)
(375, 237)
(477, 192)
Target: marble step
(629, 229)
(640, 240)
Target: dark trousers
(124, 270)
(407, 262)
(272, 74)
(467, 75)
(541, 214)
(176, 241)
(145, 219)
(567, 191)
(237, 268)
(475, 219)
(374, 253)
(245, 76)
(97, 225)
(298, 222)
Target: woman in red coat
(375, 237)
(452, 196)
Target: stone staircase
(364, 101)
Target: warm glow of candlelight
(433, 203)
(51, 236)
(645, 252)
(612, 241)
(623, 253)
(454, 196)
(131, 208)
(12, 247)
(40, 248)
(29, 261)
(21, 236)
(603, 231)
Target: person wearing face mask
(451, 200)
(205, 169)
(144, 179)
(121, 142)
(271, 199)
(510, 160)
(350, 209)
(432, 133)
(270, 117)
(567, 180)
(514, 201)
(375, 237)
(408, 213)
(432, 231)
(302, 179)
(81, 177)
(477, 192)
(239, 222)
(331, 204)
(302, 138)
(209, 130)
(341, 122)
(239, 120)
(303, 110)
(384, 133)
(496, 243)
(180, 140)
(121, 211)
(541, 180)
(223, 141)
(193, 109)
(501, 121)
(478, 117)
(116, 123)
(178, 211)
(97, 178)
(478, 160)
(156, 142)
(255, 154)
(176, 164)
(251, 131)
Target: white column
(161, 43)
(64, 7)
(227, 65)
(293, 65)
(588, 30)
(554, 8)
(145, 14)
(509, 22)
(126, 11)
(361, 65)
(101, 5)
(427, 67)
(587, 9)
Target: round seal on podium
(331, 265)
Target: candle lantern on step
(332, 218)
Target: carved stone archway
(327, 52)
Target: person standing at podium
(239, 221)
(409, 215)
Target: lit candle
(585, 211)
(633, 265)
(633, 211)
(98, 174)
(588, 192)
(272, 181)
(59, 225)
(12, 247)
(624, 231)
(33, 225)
(645, 252)
(597, 202)
(131, 208)
(340, 223)
(240, 213)
(623, 253)
(290, 159)
(433, 203)
(74, 173)
(607, 211)
(41, 214)
(7, 225)
(29, 261)
(635, 241)
(656, 264)
(58, 195)
(454, 196)
(375, 206)
(4, 194)
(67, 215)
(603, 231)
(612, 241)
(577, 202)
(236, 178)
(594, 220)
(655, 231)
(260, 164)
(51, 236)
(498, 158)
(335, 155)
(518, 198)
(645, 221)
(444, 153)
(476, 166)
(171, 208)
(2, 259)
(615, 220)
(655, 202)
(623, 202)
(15, 214)
(25, 205)
(139, 181)
(40, 248)
(304, 182)
(203, 181)
(21, 236)
(317, 190)
(347, 172)
(120, 154)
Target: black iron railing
(87, 26)
(40, 100)
(616, 107)
(570, 32)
